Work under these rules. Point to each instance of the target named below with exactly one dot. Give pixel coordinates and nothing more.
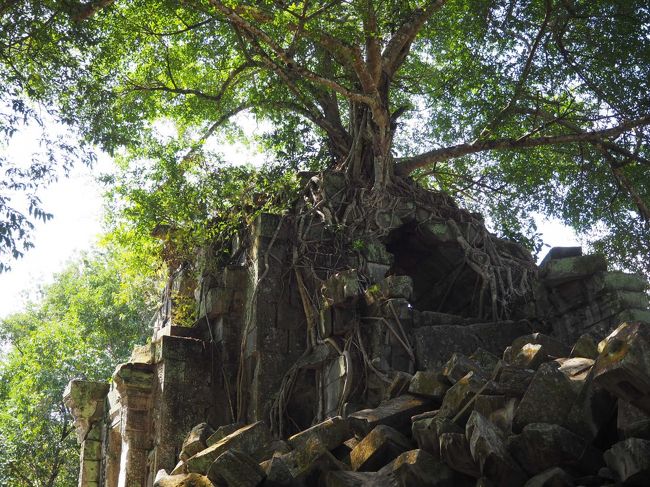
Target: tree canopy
(515, 106)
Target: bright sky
(76, 203)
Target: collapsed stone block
(427, 431)
(331, 433)
(429, 384)
(623, 365)
(490, 453)
(457, 400)
(553, 477)
(434, 345)
(585, 347)
(342, 289)
(309, 464)
(455, 452)
(419, 468)
(559, 271)
(223, 431)
(378, 448)
(459, 366)
(250, 440)
(513, 380)
(632, 422)
(184, 480)
(196, 440)
(486, 360)
(395, 413)
(630, 459)
(235, 469)
(553, 347)
(541, 446)
(355, 479)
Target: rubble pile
(543, 414)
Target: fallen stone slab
(457, 403)
(623, 365)
(630, 459)
(530, 356)
(585, 347)
(250, 440)
(395, 412)
(277, 473)
(331, 433)
(399, 385)
(357, 479)
(378, 448)
(196, 440)
(549, 396)
(223, 431)
(455, 452)
(419, 468)
(631, 422)
(486, 360)
(434, 345)
(426, 433)
(235, 469)
(552, 346)
(512, 380)
(490, 452)
(553, 477)
(541, 446)
(309, 464)
(185, 480)
(559, 271)
(429, 384)
(342, 289)
(458, 366)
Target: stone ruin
(402, 346)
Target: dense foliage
(84, 324)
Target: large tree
(542, 103)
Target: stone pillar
(85, 400)
(134, 384)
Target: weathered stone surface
(559, 271)
(530, 356)
(389, 288)
(592, 410)
(185, 480)
(455, 452)
(378, 448)
(630, 459)
(357, 479)
(456, 403)
(621, 281)
(512, 380)
(632, 422)
(249, 440)
(235, 469)
(308, 465)
(585, 347)
(434, 345)
(553, 477)
(277, 472)
(419, 468)
(196, 440)
(399, 385)
(553, 347)
(342, 289)
(541, 446)
(623, 366)
(458, 366)
(142, 354)
(486, 360)
(426, 432)
(395, 413)
(85, 399)
(549, 397)
(331, 433)
(488, 450)
(560, 253)
(223, 431)
(429, 384)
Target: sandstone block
(235, 469)
(541, 446)
(429, 384)
(458, 366)
(427, 431)
(184, 480)
(630, 459)
(632, 422)
(623, 365)
(356, 479)
(490, 453)
(378, 448)
(331, 433)
(395, 413)
(250, 440)
(553, 477)
(196, 440)
(455, 452)
(585, 347)
(486, 360)
(553, 347)
(559, 271)
(458, 397)
(419, 468)
(342, 289)
(223, 431)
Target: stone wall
(405, 296)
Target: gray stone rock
(553, 477)
(419, 468)
(342, 289)
(331, 433)
(196, 440)
(530, 356)
(541, 446)
(630, 459)
(395, 413)
(553, 347)
(490, 453)
(623, 365)
(559, 271)
(632, 422)
(434, 345)
(512, 380)
(399, 385)
(309, 464)
(357, 479)
(250, 440)
(585, 347)
(459, 398)
(223, 431)
(455, 452)
(427, 431)
(378, 448)
(486, 360)
(184, 480)
(429, 384)
(458, 366)
(235, 469)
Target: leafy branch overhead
(545, 101)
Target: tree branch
(88, 10)
(399, 45)
(407, 165)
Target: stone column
(134, 384)
(85, 400)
